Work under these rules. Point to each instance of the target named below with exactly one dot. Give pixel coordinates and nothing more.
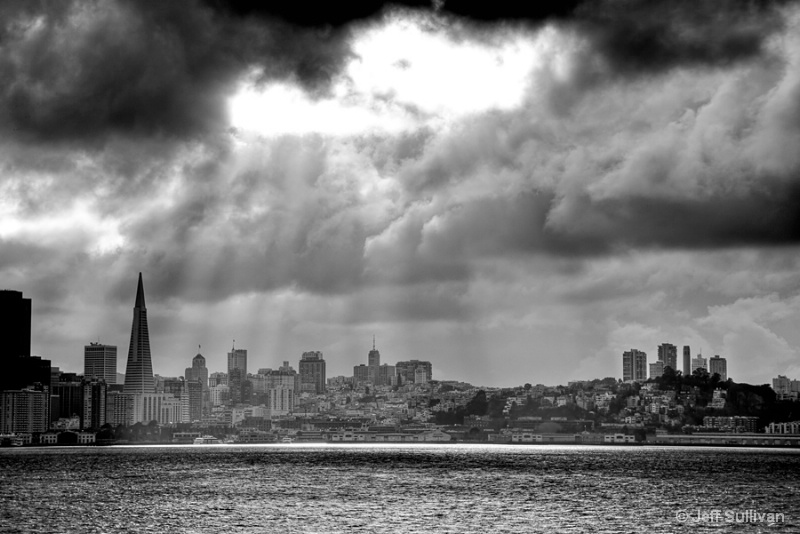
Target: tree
(106, 433)
(478, 405)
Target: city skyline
(521, 194)
(636, 366)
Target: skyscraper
(198, 372)
(20, 369)
(15, 318)
(668, 353)
(94, 403)
(373, 364)
(634, 365)
(139, 370)
(100, 361)
(687, 360)
(312, 372)
(374, 356)
(237, 359)
(237, 376)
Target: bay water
(403, 488)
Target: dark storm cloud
(647, 36)
(336, 14)
(85, 70)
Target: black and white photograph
(370, 267)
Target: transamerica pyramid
(139, 371)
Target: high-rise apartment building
(139, 369)
(786, 388)
(361, 374)
(100, 361)
(656, 369)
(24, 410)
(699, 363)
(312, 372)
(119, 408)
(94, 403)
(281, 400)
(718, 365)
(687, 360)
(634, 365)
(668, 353)
(407, 371)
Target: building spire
(140, 294)
(373, 341)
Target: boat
(206, 440)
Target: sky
(517, 194)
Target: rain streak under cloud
(514, 196)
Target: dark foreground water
(403, 488)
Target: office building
(219, 394)
(634, 365)
(687, 360)
(217, 379)
(100, 361)
(139, 369)
(198, 372)
(23, 371)
(194, 395)
(385, 375)
(238, 385)
(69, 394)
(15, 316)
(374, 357)
(718, 365)
(668, 353)
(699, 363)
(237, 359)
(312, 372)
(163, 408)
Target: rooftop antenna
(373, 341)
(233, 347)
